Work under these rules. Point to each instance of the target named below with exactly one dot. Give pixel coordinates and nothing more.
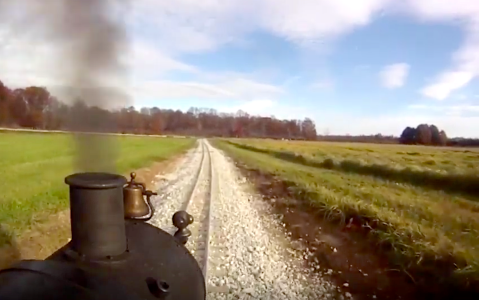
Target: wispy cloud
(446, 83)
(234, 89)
(465, 61)
(457, 109)
(394, 76)
(162, 32)
(322, 84)
(268, 107)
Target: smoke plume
(89, 40)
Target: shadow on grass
(9, 252)
(461, 184)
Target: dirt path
(51, 232)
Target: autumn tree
(308, 129)
(408, 136)
(5, 95)
(442, 138)
(156, 121)
(19, 108)
(38, 102)
(35, 107)
(424, 135)
(55, 115)
(435, 137)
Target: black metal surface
(109, 257)
(55, 280)
(181, 219)
(152, 253)
(97, 214)
(95, 180)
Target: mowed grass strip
(424, 227)
(459, 181)
(420, 158)
(33, 167)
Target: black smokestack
(89, 38)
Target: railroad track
(198, 204)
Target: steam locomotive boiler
(113, 254)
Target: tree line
(424, 134)
(34, 107)
(430, 135)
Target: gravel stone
(256, 253)
(250, 255)
(172, 191)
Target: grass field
(33, 167)
(422, 201)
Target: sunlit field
(422, 201)
(33, 167)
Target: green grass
(33, 167)
(427, 212)
(443, 160)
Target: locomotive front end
(113, 253)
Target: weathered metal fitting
(181, 220)
(136, 207)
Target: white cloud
(363, 68)
(313, 19)
(339, 123)
(461, 97)
(323, 84)
(164, 30)
(446, 83)
(233, 89)
(440, 10)
(146, 62)
(455, 109)
(455, 120)
(190, 26)
(464, 69)
(465, 61)
(394, 76)
(254, 107)
(267, 107)
(209, 24)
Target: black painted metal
(97, 214)
(181, 219)
(152, 253)
(108, 257)
(58, 280)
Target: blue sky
(357, 67)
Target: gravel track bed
(198, 209)
(253, 257)
(250, 255)
(173, 192)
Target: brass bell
(136, 207)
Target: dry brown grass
(424, 215)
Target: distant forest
(403, 139)
(35, 108)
